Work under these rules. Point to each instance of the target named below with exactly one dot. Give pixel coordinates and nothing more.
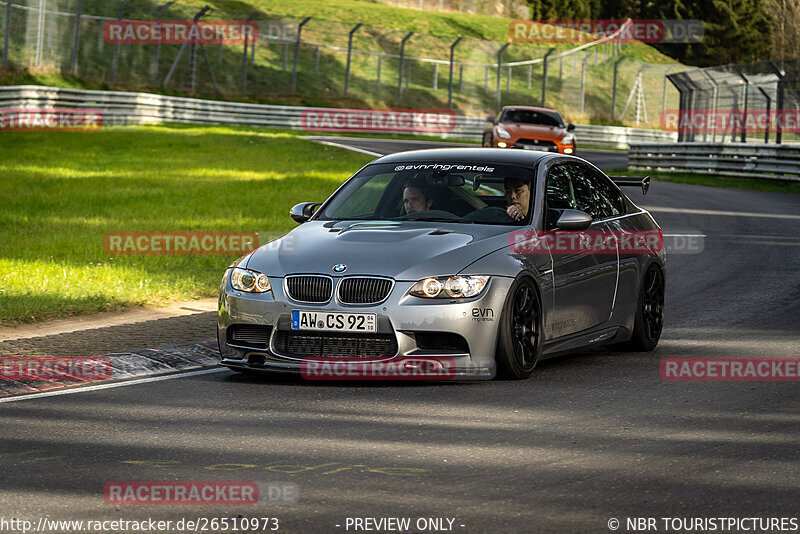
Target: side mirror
(490, 119)
(570, 127)
(574, 220)
(302, 212)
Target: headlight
(449, 287)
(502, 133)
(568, 139)
(250, 281)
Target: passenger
(416, 197)
(518, 196)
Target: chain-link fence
(323, 62)
(755, 102)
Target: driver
(416, 197)
(518, 196)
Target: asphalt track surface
(588, 438)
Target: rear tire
(519, 341)
(649, 320)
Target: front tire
(519, 341)
(649, 320)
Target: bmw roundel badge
(339, 268)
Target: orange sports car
(530, 128)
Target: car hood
(401, 250)
(534, 131)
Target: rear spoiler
(634, 181)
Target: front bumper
(422, 329)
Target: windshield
(528, 116)
(449, 192)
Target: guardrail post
(450, 83)
(297, 52)
(500, 71)
(115, 60)
(544, 75)
(76, 35)
(7, 33)
(614, 89)
(349, 56)
(157, 52)
(401, 65)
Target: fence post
(316, 61)
(461, 78)
(746, 91)
(7, 33)
(614, 88)
(500, 71)
(508, 79)
(297, 52)
(530, 72)
(435, 76)
(400, 67)
(380, 60)
(157, 53)
(544, 75)
(779, 104)
(450, 84)
(244, 54)
(76, 35)
(40, 31)
(115, 61)
(583, 78)
(349, 56)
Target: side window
(559, 194)
(594, 194)
(609, 197)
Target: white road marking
(96, 387)
(728, 213)
(346, 147)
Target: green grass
(64, 191)
(749, 184)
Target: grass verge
(65, 191)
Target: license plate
(334, 322)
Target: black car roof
(527, 158)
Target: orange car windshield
(527, 116)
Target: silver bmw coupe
(451, 263)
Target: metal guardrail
(132, 108)
(777, 162)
